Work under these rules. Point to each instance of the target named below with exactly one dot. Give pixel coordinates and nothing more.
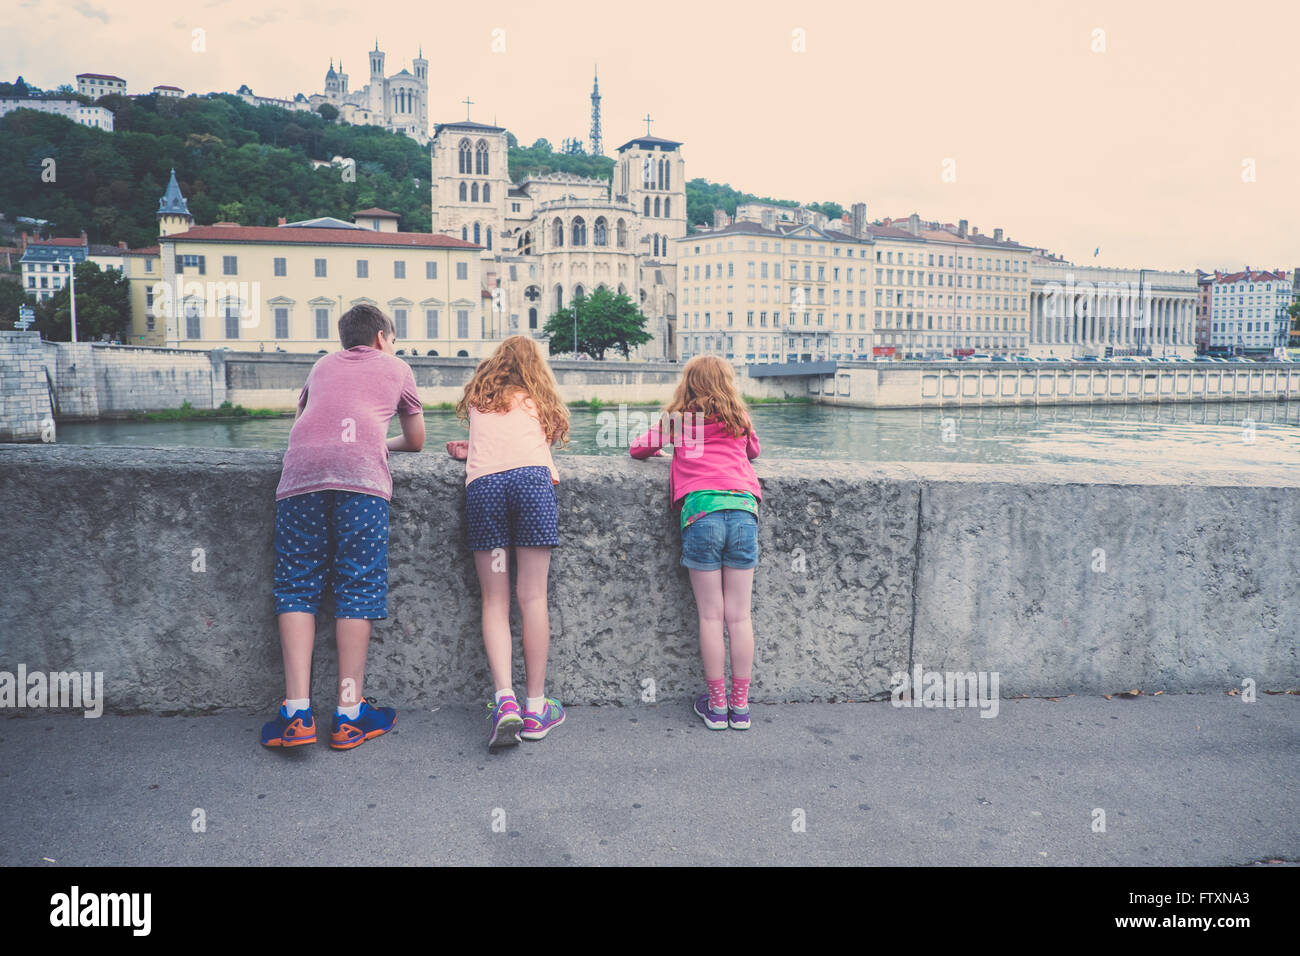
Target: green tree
(1294, 311)
(103, 307)
(11, 297)
(328, 111)
(605, 322)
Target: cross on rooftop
(648, 121)
(468, 103)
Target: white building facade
(100, 84)
(399, 103)
(1248, 310)
(96, 117)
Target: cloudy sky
(1163, 134)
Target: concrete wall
(1061, 581)
(24, 389)
(274, 379)
(92, 380)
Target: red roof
(164, 86)
(146, 251)
(306, 235)
(101, 76)
(56, 242)
(376, 211)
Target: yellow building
(284, 287)
(752, 293)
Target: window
(320, 268)
(431, 323)
(462, 270)
(322, 323)
(278, 266)
(399, 269)
(281, 323)
(399, 320)
(193, 324)
(232, 321)
(363, 269)
(431, 270)
(230, 265)
(462, 323)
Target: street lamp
(72, 296)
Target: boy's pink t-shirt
(500, 441)
(340, 440)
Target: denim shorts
(515, 508)
(721, 538)
(334, 538)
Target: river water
(1213, 436)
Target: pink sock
(739, 693)
(717, 693)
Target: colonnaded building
(548, 239)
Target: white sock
(291, 707)
(351, 713)
(504, 692)
(535, 704)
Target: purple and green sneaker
(537, 726)
(713, 719)
(739, 717)
(506, 723)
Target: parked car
(1025, 358)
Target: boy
(331, 521)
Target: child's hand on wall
(458, 449)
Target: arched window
(473, 193)
(656, 244)
(600, 233)
(487, 192)
(559, 298)
(622, 289)
(481, 158)
(464, 233)
(656, 206)
(526, 244)
(579, 231)
(579, 292)
(622, 234)
(668, 173)
(462, 354)
(464, 166)
(647, 205)
(532, 317)
(478, 237)
(489, 237)
(661, 174)
(557, 229)
(668, 211)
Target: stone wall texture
(1061, 581)
(25, 411)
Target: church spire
(597, 144)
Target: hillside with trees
(242, 163)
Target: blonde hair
(708, 388)
(517, 366)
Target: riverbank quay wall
(155, 567)
(958, 384)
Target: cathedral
(399, 103)
(549, 238)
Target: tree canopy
(103, 306)
(605, 322)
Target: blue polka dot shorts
(515, 508)
(339, 538)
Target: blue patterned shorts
(515, 508)
(338, 538)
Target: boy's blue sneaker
(289, 730)
(739, 718)
(371, 722)
(713, 719)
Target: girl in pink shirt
(515, 415)
(713, 483)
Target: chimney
(914, 224)
(281, 221)
(83, 237)
(121, 244)
(997, 235)
(962, 225)
(975, 230)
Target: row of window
(279, 267)
(322, 325)
(885, 256)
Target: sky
(1134, 134)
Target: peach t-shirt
(500, 441)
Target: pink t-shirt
(500, 441)
(340, 440)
